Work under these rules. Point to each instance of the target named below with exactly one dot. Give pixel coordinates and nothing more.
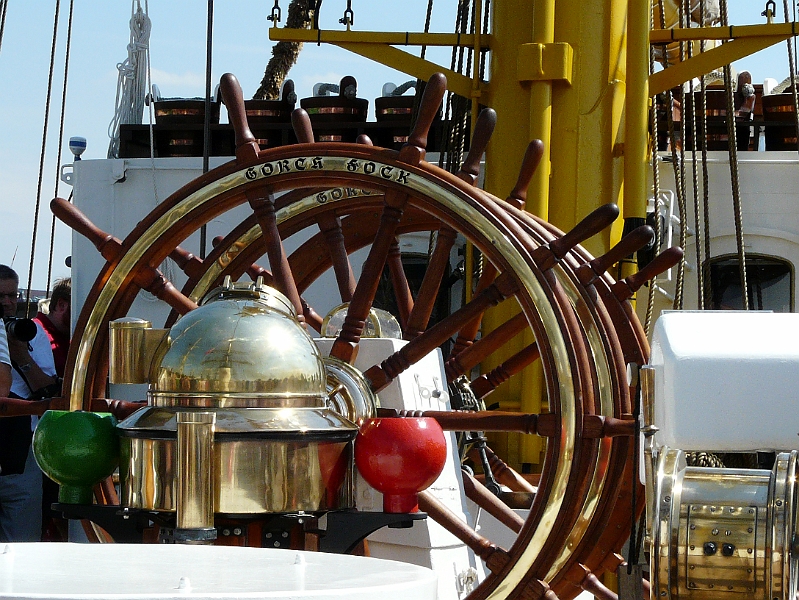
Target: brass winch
(242, 412)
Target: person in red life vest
(56, 323)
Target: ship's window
(769, 281)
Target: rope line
(41, 156)
(653, 124)
(792, 69)
(700, 284)
(705, 292)
(732, 147)
(60, 141)
(3, 11)
(679, 289)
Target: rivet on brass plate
(715, 531)
(667, 499)
(779, 502)
(749, 551)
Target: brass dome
(242, 347)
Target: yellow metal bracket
(545, 62)
(380, 47)
(746, 40)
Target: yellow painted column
(587, 165)
(635, 147)
(579, 118)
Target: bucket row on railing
(774, 115)
(178, 129)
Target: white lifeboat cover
(727, 381)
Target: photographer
(33, 376)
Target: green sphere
(76, 449)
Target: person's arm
(37, 375)
(5, 364)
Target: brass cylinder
(126, 362)
(646, 376)
(195, 501)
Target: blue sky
(241, 46)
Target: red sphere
(399, 457)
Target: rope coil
(132, 81)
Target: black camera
(23, 330)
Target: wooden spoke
(592, 585)
(484, 127)
(364, 140)
(188, 263)
(494, 556)
(380, 376)
(476, 353)
(625, 288)
(532, 158)
(480, 495)
(399, 283)
(485, 384)
(548, 256)
(426, 298)
(630, 243)
(503, 473)
(330, 226)
(146, 277)
(301, 123)
(414, 149)
(246, 145)
(346, 344)
(311, 317)
(545, 425)
(263, 205)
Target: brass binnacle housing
(279, 444)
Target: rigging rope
(60, 141)
(682, 204)
(3, 11)
(131, 82)
(41, 156)
(792, 69)
(653, 123)
(732, 146)
(705, 291)
(695, 182)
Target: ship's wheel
(362, 196)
